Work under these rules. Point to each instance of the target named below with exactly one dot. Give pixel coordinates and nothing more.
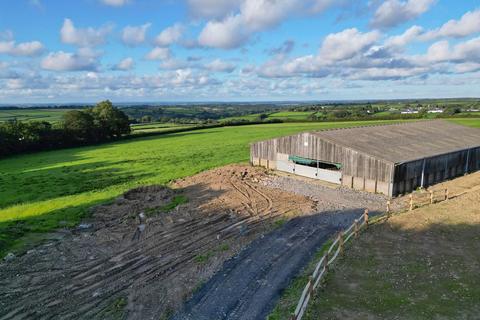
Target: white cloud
(235, 26)
(405, 38)
(169, 36)
(158, 53)
(219, 65)
(468, 50)
(321, 5)
(188, 78)
(441, 51)
(212, 8)
(467, 67)
(88, 37)
(64, 61)
(174, 64)
(347, 43)
(24, 49)
(227, 34)
(468, 24)
(385, 73)
(259, 15)
(135, 35)
(235, 29)
(124, 65)
(338, 52)
(115, 3)
(394, 12)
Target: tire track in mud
(81, 275)
(138, 263)
(84, 285)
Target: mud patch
(147, 252)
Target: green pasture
(158, 127)
(50, 115)
(43, 191)
(290, 115)
(248, 117)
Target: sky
(54, 51)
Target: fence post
(355, 228)
(366, 217)
(340, 241)
(411, 202)
(310, 285)
(388, 208)
(431, 196)
(446, 193)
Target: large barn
(390, 159)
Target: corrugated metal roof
(405, 141)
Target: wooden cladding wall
(313, 147)
(408, 176)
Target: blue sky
(54, 51)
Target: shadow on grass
(18, 235)
(51, 183)
(429, 272)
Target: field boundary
(344, 236)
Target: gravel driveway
(249, 285)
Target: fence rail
(336, 248)
(426, 197)
(328, 258)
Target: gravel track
(248, 285)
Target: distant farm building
(389, 159)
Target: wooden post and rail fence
(343, 237)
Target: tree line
(100, 123)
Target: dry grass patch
(421, 264)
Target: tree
(341, 113)
(79, 125)
(146, 119)
(451, 110)
(423, 112)
(110, 121)
(263, 116)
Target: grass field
(303, 116)
(281, 115)
(50, 115)
(290, 115)
(158, 127)
(248, 117)
(42, 191)
(474, 122)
